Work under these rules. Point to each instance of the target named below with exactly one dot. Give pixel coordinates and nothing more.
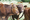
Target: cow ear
(25, 6)
(29, 2)
(29, 11)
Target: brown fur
(27, 13)
(5, 10)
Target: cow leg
(0, 18)
(13, 19)
(29, 17)
(3, 17)
(18, 18)
(6, 18)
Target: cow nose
(17, 13)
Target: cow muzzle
(17, 13)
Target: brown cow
(5, 10)
(10, 9)
(20, 8)
(27, 13)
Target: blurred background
(24, 2)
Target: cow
(20, 8)
(6, 10)
(27, 13)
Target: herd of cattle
(6, 10)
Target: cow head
(20, 7)
(15, 10)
